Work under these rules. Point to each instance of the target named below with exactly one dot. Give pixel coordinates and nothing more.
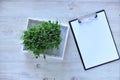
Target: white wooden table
(17, 65)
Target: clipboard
(94, 39)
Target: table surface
(15, 64)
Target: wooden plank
(18, 65)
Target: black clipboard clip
(87, 18)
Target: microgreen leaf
(42, 37)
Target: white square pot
(54, 54)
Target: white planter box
(57, 54)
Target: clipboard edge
(76, 43)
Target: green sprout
(42, 37)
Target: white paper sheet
(95, 41)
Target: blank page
(95, 41)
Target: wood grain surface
(15, 64)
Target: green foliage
(42, 37)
